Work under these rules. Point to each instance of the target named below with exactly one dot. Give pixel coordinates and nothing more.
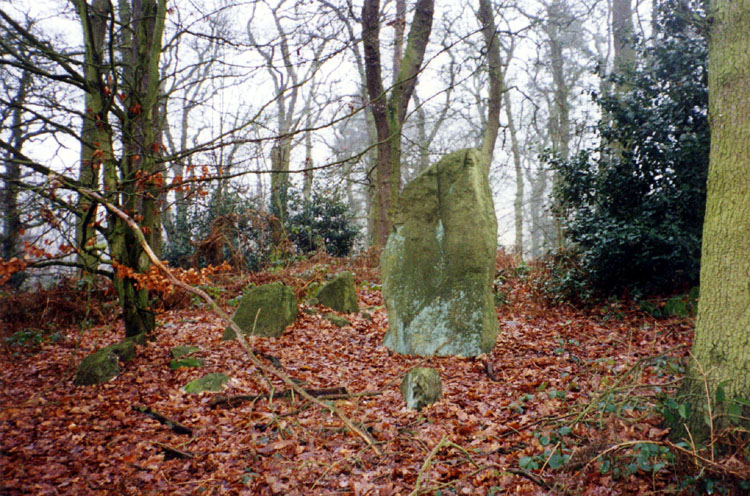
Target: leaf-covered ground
(556, 407)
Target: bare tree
(389, 107)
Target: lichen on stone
(438, 265)
(265, 310)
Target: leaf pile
(536, 416)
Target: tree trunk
(95, 132)
(518, 200)
(721, 348)
(389, 111)
(141, 177)
(622, 35)
(494, 67)
(12, 226)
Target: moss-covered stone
(274, 305)
(102, 365)
(439, 262)
(421, 387)
(181, 351)
(210, 382)
(339, 294)
(186, 362)
(336, 320)
(139, 339)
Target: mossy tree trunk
(96, 138)
(389, 109)
(140, 178)
(721, 349)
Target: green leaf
(556, 461)
(720, 394)
(684, 410)
(528, 463)
(564, 430)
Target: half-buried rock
(265, 310)
(102, 365)
(209, 382)
(421, 387)
(339, 294)
(439, 262)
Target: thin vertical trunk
(140, 179)
(494, 67)
(622, 35)
(518, 200)
(11, 215)
(95, 133)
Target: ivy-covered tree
(634, 205)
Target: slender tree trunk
(12, 226)
(518, 200)
(95, 133)
(494, 67)
(721, 348)
(622, 34)
(559, 117)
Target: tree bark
(721, 348)
(518, 200)
(140, 177)
(622, 35)
(11, 215)
(96, 145)
(389, 110)
(494, 67)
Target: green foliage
(634, 205)
(30, 340)
(228, 228)
(324, 220)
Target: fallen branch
(171, 453)
(231, 401)
(221, 313)
(172, 424)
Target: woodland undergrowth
(569, 401)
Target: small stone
(339, 294)
(186, 362)
(181, 351)
(336, 320)
(265, 310)
(102, 365)
(421, 387)
(210, 382)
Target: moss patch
(265, 310)
(339, 294)
(210, 382)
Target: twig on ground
(171, 423)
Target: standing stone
(339, 294)
(274, 305)
(439, 262)
(421, 387)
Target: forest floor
(566, 403)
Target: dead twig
(171, 452)
(231, 401)
(171, 423)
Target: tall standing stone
(439, 262)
